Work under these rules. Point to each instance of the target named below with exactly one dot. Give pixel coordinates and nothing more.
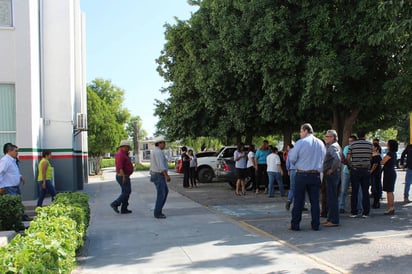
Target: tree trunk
(97, 163)
(347, 125)
(287, 137)
(136, 150)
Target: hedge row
(49, 245)
(11, 210)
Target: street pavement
(210, 230)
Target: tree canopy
(106, 119)
(247, 68)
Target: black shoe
(26, 218)
(160, 216)
(126, 211)
(305, 209)
(341, 210)
(114, 208)
(287, 206)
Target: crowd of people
(323, 172)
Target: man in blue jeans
(124, 168)
(307, 157)
(159, 176)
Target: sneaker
(365, 216)
(160, 216)
(353, 216)
(27, 218)
(127, 211)
(114, 207)
(287, 206)
(406, 200)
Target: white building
(43, 88)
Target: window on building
(6, 18)
(145, 146)
(7, 114)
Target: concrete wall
(43, 55)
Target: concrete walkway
(193, 238)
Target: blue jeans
(13, 190)
(49, 188)
(408, 181)
(345, 182)
(360, 179)
(332, 182)
(291, 193)
(306, 182)
(278, 177)
(162, 190)
(126, 189)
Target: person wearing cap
(124, 168)
(159, 176)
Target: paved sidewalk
(193, 238)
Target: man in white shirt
(10, 176)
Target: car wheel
(205, 175)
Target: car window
(228, 152)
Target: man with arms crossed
(307, 157)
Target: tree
(105, 119)
(137, 133)
(263, 67)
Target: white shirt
(240, 163)
(158, 161)
(273, 160)
(193, 161)
(250, 159)
(9, 172)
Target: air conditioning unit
(81, 122)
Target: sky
(123, 39)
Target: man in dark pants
(124, 168)
(407, 155)
(359, 158)
(186, 167)
(331, 173)
(307, 156)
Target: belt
(312, 171)
(156, 173)
(356, 168)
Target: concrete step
(6, 237)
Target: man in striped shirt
(359, 156)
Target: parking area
(378, 244)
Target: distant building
(43, 102)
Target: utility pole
(136, 130)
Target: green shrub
(11, 210)
(51, 242)
(75, 199)
(110, 162)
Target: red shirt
(123, 162)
